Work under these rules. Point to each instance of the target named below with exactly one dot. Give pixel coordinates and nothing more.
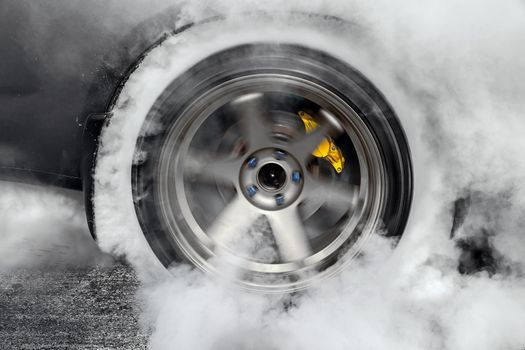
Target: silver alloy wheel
(238, 193)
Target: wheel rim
(221, 240)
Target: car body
(59, 70)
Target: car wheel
(270, 165)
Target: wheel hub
(271, 179)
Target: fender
(114, 71)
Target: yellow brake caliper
(327, 149)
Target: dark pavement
(92, 308)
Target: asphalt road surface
(92, 308)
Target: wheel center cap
(272, 176)
(271, 179)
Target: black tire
(301, 62)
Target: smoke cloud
(454, 74)
(44, 229)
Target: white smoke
(454, 73)
(44, 229)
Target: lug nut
(252, 162)
(279, 199)
(251, 190)
(279, 155)
(296, 177)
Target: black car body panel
(62, 62)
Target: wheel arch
(113, 73)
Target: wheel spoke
(256, 125)
(333, 193)
(208, 168)
(290, 234)
(234, 220)
(304, 147)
